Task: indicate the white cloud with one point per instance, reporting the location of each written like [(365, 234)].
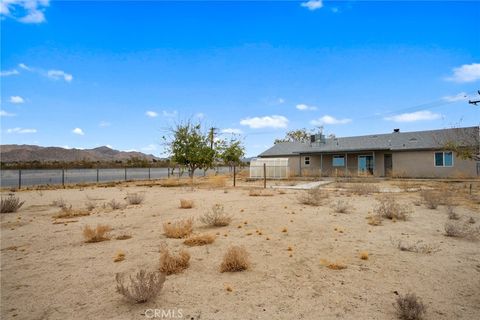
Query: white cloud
[(4, 113), (326, 119), (462, 96), (280, 100), (265, 122), (150, 147), (104, 124), (151, 114), (304, 107), (25, 11), (109, 146), (59, 74), (200, 115), (21, 130), (78, 131), (167, 114), (466, 73), (231, 131), (24, 67), (312, 4), (7, 73), (16, 99), (414, 116)]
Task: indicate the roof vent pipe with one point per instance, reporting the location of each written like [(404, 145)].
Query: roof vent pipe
[(396, 130)]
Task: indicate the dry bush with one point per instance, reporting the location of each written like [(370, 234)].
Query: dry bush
[(418, 247), (363, 188), (364, 255), (89, 205), (135, 198), (115, 205), (59, 203), (98, 234), (170, 182), (216, 217), (186, 204), (333, 265), (431, 198), (374, 220), (452, 215), (409, 307), (235, 259), (123, 237), (390, 209), (218, 181), (10, 204), (199, 240), (143, 287), (471, 220), (119, 256), (461, 230), (341, 206), (170, 263), (68, 212), (259, 193), (178, 229), (313, 197)]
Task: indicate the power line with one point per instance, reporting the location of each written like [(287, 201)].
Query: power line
[(474, 102)]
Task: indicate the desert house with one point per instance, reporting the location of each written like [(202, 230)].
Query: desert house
[(420, 154)]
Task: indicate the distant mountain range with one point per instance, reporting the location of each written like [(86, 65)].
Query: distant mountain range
[(26, 153)]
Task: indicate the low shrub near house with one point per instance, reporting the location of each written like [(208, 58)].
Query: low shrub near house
[(178, 229), (143, 287), (410, 307), (313, 197), (69, 212), (10, 204), (431, 198), (216, 217), (390, 209), (235, 259), (341, 206)]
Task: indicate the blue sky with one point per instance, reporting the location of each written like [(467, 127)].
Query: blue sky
[(118, 73)]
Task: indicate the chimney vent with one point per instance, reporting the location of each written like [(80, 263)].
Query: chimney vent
[(396, 130)]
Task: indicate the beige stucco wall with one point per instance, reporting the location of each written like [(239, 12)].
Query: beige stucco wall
[(420, 164)]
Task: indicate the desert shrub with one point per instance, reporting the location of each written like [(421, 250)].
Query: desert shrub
[(363, 188), (259, 193), (431, 198), (218, 181), (471, 220), (461, 230), (143, 287), (235, 259), (186, 204), (59, 203), (10, 204), (98, 234), (69, 212), (390, 209), (409, 307), (170, 182), (216, 217), (418, 247), (452, 215), (123, 236), (135, 198), (119, 256), (89, 205), (364, 255), (199, 240), (333, 265), (374, 220), (341, 206), (115, 205), (313, 197), (171, 263), (178, 229)]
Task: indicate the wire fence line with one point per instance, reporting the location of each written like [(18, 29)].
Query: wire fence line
[(39, 177)]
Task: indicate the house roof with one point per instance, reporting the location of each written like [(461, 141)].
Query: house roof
[(395, 141)]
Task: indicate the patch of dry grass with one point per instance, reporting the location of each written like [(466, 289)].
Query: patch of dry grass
[(98, 234), (119, 256), (374, 220), (135, 198), (10, 204), (260, 193), (143, 287), (59, 203), (336, 265), (218, 181), (173, 263), (123, 237), (409, 307), (199, 240), (417, 247), (431, 198), (390, 209), (313, 197), (115, 205), (235, 259), (364, 255), (341, 206), (178, 229), (216, 217), (66, 213), (363, 189), (186, 204)]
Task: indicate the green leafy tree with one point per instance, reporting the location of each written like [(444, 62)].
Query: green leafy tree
[(300, 135), (232, 152), (190, 147)]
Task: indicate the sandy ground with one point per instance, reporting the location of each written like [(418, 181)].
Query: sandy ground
[(48, 272)]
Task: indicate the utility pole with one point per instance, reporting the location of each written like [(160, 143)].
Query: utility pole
[(474, 102), (211, 135)]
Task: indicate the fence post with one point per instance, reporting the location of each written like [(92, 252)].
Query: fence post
[(63, 178), (149, 176), (234, 176), (168, 172), (264, 176), (98, 175), (125, 173), (20, 179)]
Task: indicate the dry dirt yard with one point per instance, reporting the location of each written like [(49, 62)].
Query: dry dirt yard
[(49, 272)]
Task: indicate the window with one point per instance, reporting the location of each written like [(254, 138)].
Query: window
[(306, 161), (444, 159), (338, 161)]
